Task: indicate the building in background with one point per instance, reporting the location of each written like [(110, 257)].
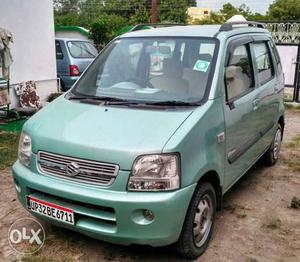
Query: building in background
[(198, 13), (31, 23), (73, 32)]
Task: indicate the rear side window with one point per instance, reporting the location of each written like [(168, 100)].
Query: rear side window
[(275, 51), (239, 73), (264, 62), (59, 53), (276, 56), (81, 49)]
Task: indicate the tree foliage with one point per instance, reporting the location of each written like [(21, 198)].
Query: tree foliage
[(105, 28), (173, 11), (105, 17), (227, 11), (285, 10), (68, 19), (142, 15)]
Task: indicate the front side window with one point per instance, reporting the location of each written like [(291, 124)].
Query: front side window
[(151, 70), (239, 73), (82, 49), (263, 62)]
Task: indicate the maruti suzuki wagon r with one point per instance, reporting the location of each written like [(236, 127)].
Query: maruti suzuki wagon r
[(158, 128)]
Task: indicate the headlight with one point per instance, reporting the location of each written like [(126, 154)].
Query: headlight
[(25, 149), (155, 173)]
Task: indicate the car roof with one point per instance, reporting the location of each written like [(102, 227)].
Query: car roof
[(193, 31), (70, 39)]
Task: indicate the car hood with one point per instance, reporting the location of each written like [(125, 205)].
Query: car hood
[(108, 134)]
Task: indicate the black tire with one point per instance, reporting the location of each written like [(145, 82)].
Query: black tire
[(271, 156), (187, 244)]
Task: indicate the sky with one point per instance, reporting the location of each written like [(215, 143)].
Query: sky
[(260, 6)]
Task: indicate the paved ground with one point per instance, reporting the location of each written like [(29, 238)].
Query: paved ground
[(256, 224)]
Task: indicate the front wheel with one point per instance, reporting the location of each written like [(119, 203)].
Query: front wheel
[(271, 156), (199, 223)]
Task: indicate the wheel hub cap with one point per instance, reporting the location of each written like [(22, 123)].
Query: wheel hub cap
[(203, 220), (277, 144)]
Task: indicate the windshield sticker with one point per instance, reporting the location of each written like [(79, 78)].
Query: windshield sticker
[(201, 66)]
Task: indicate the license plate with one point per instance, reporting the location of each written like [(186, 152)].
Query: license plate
[(51, 210)]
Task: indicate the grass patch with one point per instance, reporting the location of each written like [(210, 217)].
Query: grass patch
[(292, 106), (292, 160), (59, 246), (274, 223), (295, 203), (238, 210), (8, 148), (295, 142)]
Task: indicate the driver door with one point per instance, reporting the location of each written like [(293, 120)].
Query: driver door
[(240, 110)]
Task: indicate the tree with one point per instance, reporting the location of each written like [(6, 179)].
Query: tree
[(91, 10), (67, 6), (285, 10), (228, 10), (141, 15), (105, 28), (173, 11), (126, 8), (68, 19)]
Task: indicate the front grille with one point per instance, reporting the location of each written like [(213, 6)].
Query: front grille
[(77, 169)]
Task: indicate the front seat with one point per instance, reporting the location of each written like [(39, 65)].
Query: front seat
[(237, 82), (171, 81)]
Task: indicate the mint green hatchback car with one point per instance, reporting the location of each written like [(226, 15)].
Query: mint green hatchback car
[(154, 133)]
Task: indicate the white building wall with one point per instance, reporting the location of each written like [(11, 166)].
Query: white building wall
[(32, 25)]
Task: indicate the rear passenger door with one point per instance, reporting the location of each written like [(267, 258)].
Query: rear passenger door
[(240, 110), (268, 86)]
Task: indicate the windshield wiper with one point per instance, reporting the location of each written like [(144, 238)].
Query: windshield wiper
[(173, 103), (106, 100)]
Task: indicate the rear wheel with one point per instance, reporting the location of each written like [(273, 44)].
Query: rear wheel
[(271, 156), (199, 223)]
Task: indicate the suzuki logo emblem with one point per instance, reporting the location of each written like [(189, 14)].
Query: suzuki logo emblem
[(73, 169)]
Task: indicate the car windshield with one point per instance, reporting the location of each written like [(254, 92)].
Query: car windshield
[(151, 70), (82, 49)]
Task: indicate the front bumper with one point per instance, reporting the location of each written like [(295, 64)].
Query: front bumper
[(110, 215)]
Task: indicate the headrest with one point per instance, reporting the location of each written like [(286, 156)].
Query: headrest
[(172, 68), (232, 71)]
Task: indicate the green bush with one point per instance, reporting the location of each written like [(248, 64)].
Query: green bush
[(53, 96), (8, 148), (67, 20), (105, 28)]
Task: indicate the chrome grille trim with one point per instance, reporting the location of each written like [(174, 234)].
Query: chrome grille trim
[(91, 172)]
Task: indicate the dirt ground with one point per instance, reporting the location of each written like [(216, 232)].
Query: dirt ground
[(256, 224)]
